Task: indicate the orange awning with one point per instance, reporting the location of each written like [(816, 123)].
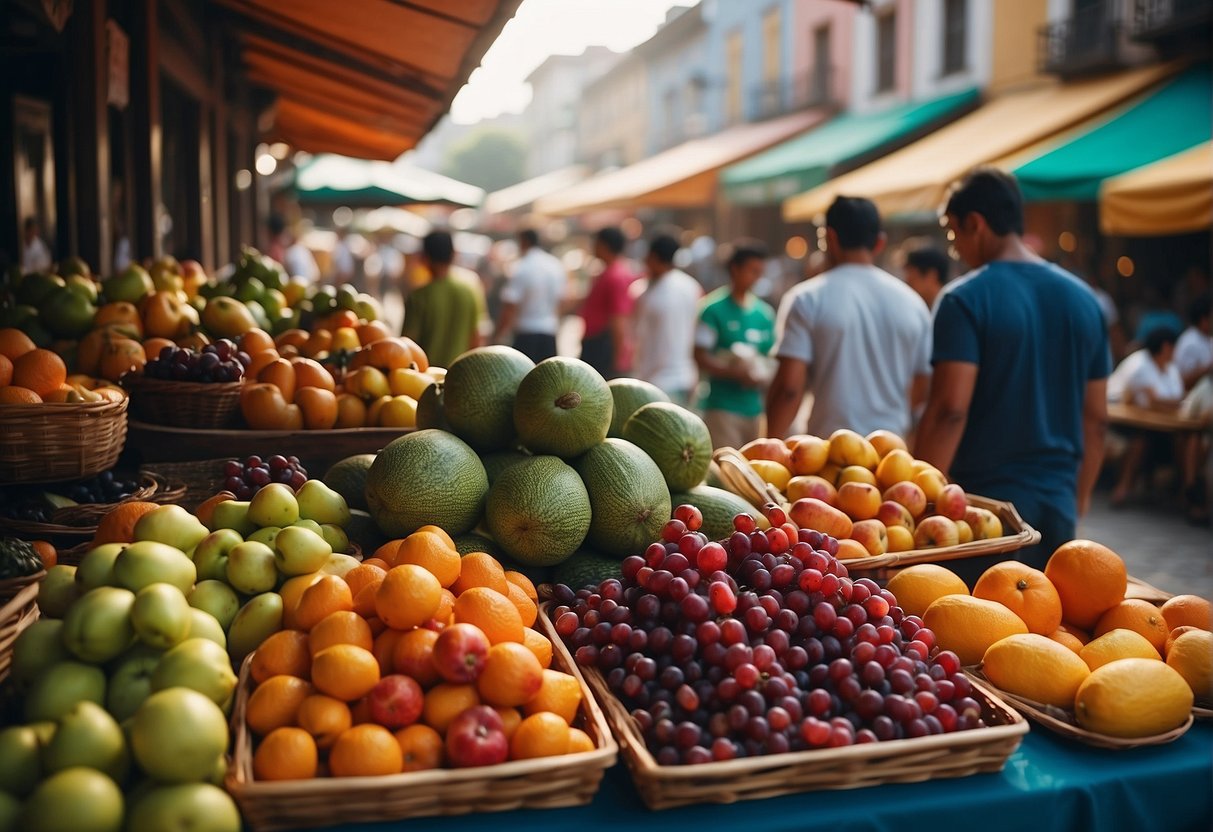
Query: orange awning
[(1171, 196)]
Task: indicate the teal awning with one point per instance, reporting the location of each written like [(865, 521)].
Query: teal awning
[(342, 180), (811, 158), (1175, 117)]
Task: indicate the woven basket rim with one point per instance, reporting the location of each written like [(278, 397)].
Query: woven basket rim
[(24, 411), (161, 385)]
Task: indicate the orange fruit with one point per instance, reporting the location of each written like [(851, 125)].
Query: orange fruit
[(345, 672), (511, 675), (309, 373), (120, 356), (510, 720), (341, 627), (275, 703), (6, 370), (968, 626), (408, 597), (324, 718), (260, 361), (39, 370), (291, 592), (1188, 610), (255, 341), (446, 607), (1115, 645), (431, 552), (365, 751), (281, 374), (444, 702), (14, 343), (291, 338), (559, 693), (329, 594), (479, 569), (285, 653), (1078, 632), (1089, 577), (917, 587), (492, 612), (1192, 657), (1036, 668), (540, 735), (384, 650), (1139, 616), (527, 609), (46, 553), (362, 575), (430, 528), (318, 406), (1067, 639), (18, 395), (1176, 633), (286, 754), (538, 644), (422, 747), (414, 656), (387, 552), (118, 524), (351, 412), (380, 562), (1024, 591), (579, 741), (372, 331), (524, 583)]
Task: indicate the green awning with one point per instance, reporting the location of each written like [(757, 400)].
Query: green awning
[(1175, 117), (811, 158), (341, 180)]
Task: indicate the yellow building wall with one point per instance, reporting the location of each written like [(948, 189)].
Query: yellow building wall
[(1016, 42)]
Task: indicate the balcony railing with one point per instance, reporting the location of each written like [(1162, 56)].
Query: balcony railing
[(769, 99), (1153, 19), (1089, 41), (776, 98)]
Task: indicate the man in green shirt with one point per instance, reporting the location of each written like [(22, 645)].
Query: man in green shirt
[(736, 331), (442, 316)]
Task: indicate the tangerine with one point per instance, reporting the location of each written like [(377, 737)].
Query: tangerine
[(365, 751), (444, 702), (18, 395), (524, 583), (285, 653), (543, 734), (341, 627), (291, 592), (1090, 578), (384, 650), (438, 530), (14, 343), (511, 676), (432, 552), (492, 612), (387, 552), (480, 569), (422, 747), (510, 720), (1188, 610), (275, 703), (1024, 591), (118, 524), (446, 607), (559, 693), (324, 718), (286, 754), (538, 644), (345, 671), (327, 595), (408, 597), (39, 370), (1139, 616), (579, 741), (527, 609), (6, 370), (362, 575)]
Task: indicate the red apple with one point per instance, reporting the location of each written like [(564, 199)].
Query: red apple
[(952, 502), (893, 513), (909, 495), (477, 738), (396, 701), (935, 532), (460, 652)]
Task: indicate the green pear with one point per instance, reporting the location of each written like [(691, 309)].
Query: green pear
[(161, 616), (38, 647), (274, 505), (320, 503), (336, 536), (210, 555), (81, 799), (251, 569), (97, 566), (198, 664), (205, 625), (20, 761), (57, 591), (257, 620), (310, 525), (265, 535), (199, 807), (299, 551), (216, 598), (233, 514), (149, 562), (130, 681), (98, 627), (171, 525), (56, 690), (88, 736)]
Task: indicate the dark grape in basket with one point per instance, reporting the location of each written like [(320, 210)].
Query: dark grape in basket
[(245, 478), (217, 363)]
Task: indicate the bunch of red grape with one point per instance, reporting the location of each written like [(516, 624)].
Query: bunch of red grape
[(219, 362), (760, 644), (244, 479)]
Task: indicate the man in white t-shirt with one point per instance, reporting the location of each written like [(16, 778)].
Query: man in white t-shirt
[(858, 337), (1194, 349), (663, 321), (530, 300)]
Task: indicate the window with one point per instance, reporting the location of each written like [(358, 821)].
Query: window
[(819, 83), (770, 47), (886, 52), (955, 22), (732, 90), (670, 105)]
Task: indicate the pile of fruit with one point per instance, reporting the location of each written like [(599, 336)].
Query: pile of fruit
[(38, 503), (216, 363), (760, 644), (1068, 638), (32, 375), (416, 659), (870, 493), (243, 479)]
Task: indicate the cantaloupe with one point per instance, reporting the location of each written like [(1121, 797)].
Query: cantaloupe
[(427, 477), (348, 478), (629, 395), (586, 568), (676, 439), (563, 407), (495, 463), (478, 396), (629, 497), (538, 511), (430, 409)]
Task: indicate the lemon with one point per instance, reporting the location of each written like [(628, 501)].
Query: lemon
[(1117, 644), (968, 626), (1133, 698), (1192, 656), (398, 412), (772, 472), (1037, 668)]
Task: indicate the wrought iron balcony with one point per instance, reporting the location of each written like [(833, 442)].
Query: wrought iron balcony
[(769, 99), (814, 89), (1089, 41), (1155, 19)]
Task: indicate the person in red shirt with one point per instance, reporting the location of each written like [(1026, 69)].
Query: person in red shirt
[(606, 344)]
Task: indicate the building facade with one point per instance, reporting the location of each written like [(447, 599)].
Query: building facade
[(679, 82), (613, 116), (551, 117)]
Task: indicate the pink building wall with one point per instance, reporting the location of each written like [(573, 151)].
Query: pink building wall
[(807, 16), (905, 49)]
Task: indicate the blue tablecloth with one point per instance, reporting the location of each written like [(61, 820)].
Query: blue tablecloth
[(1048, 784)]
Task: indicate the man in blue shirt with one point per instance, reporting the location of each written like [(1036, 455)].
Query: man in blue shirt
[(1018, 405)]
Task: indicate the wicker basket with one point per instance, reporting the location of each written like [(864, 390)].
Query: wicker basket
[(54, 442), (81, 520), (546, 783), (10, 588), (17, 614), (185, 404), (199, 480)]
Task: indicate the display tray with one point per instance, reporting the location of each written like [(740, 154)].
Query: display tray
[(545, 783)]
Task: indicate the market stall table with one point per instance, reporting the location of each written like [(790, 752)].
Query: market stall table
[(1048, 785), (1129, 416)]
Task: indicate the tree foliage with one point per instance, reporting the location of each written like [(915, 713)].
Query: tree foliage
[(490, 157)]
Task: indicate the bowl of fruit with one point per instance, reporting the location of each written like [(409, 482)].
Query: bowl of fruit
[(182, 387)]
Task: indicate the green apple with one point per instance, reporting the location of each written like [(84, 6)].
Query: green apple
[(176, 735), (198, 807), (205, 625), (97, 566), (98, 628), (148, 562), (83, 286), (67, 314), (257, 620), (310, 525), (320, 503), (216, 598), (56, 690), (198, 664), (339, 564), (336, 537), (171, 525), (131, 286), (233, 514), (80, 799), (130, 681), (20, 760), (251, 289), (88, 736), (38, 647), (251, 569), (10, 813), (210, 555), (265, 535), (299, 551), (161, 616), (57, 591), (274, 505)]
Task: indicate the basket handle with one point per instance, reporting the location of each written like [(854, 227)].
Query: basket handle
[(740, 478)]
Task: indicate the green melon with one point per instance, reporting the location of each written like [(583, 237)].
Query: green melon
[(495, 463), (563, 407), (718, 508), (676, 439), (478, 396), (539, 511), (430, 411), (629, 495), (348, 478), (362, 530), (586, 568), (465, 544), (426, 477), (629, 395)]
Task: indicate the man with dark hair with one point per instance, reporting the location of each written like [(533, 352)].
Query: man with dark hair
[(607, 309), (442, 316), (927, 270), (664, 323), (1194, 349), (530, 300), (1018, 402), (736, 330), (859, 334)]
